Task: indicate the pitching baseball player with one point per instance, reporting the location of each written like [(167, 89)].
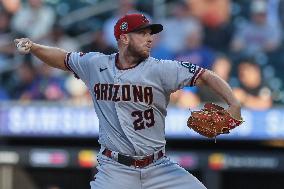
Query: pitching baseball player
[(131, 91)]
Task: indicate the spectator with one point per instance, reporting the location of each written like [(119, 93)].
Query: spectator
[(98, 44), (124, 7), (212, 13), (219, 37), (252, 92), (194, 51), (78, 92), (160, 51), (59, 38), (215, 16), (222, 67), (36, 84), (21, 88), (49, 85), (6, 36), (11, 6), (258, 35), (185, 98), (5, 19), (34, 19), (177, 27)]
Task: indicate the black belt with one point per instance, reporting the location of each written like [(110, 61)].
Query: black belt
[(139, 163)]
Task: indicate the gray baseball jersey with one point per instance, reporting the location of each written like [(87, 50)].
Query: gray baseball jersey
[(131, 103)]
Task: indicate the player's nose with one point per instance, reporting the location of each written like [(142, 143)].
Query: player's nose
[(150, 38)]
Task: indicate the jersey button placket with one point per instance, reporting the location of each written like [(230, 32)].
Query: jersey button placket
[(117, 78)]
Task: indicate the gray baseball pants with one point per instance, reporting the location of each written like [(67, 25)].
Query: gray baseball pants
[(162, 174)]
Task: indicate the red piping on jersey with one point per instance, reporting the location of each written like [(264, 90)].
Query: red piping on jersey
[(197, 74), (117, 63), (66, 62)]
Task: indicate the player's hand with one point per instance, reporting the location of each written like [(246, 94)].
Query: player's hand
[(23, 45), (235, 111)]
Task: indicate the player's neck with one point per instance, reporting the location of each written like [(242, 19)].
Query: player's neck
[(126, 60)]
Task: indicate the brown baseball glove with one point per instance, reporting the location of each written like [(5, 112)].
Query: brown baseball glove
[(212, 121)]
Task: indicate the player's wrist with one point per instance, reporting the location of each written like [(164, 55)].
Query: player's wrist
[(33, 47), (235, 104), (235, 112)]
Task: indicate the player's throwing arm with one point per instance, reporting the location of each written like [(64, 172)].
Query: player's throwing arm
[(52, 56)]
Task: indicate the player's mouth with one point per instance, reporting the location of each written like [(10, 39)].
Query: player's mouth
[(148, 47)]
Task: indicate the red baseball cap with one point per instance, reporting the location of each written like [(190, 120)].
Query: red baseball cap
[(134, 22)]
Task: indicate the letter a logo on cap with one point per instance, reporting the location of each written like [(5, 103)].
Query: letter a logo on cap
[(124, 26)]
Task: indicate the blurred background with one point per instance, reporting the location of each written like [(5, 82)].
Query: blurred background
[(49, 130)]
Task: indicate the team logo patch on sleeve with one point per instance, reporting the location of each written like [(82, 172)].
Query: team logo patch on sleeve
[(191, 67)]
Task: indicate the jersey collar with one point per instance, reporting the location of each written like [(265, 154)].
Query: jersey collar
[(117, 63)]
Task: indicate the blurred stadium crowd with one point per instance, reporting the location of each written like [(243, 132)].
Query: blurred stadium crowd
[(242, 41)]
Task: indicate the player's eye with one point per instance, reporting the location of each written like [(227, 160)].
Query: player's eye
[(143, 32)]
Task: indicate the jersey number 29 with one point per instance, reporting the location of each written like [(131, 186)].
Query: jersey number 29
[(143, 118)]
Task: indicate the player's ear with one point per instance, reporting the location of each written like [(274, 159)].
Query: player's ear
[(124, 38)]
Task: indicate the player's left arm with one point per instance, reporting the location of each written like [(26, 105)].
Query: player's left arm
[(222, 88)]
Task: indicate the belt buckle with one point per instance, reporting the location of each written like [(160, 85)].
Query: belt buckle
[(140, 163), (135, 164)]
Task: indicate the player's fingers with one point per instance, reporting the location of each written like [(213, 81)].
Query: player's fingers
[(29, 43), (27, 46), (22, 40), (16, 41)]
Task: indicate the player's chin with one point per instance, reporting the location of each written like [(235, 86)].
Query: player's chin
[(145, 54)]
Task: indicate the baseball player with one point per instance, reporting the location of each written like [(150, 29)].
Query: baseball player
[(131, 91)]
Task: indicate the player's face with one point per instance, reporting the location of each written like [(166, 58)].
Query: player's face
[(140, 43)]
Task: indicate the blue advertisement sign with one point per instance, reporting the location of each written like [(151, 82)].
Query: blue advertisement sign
[(70, 121)]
